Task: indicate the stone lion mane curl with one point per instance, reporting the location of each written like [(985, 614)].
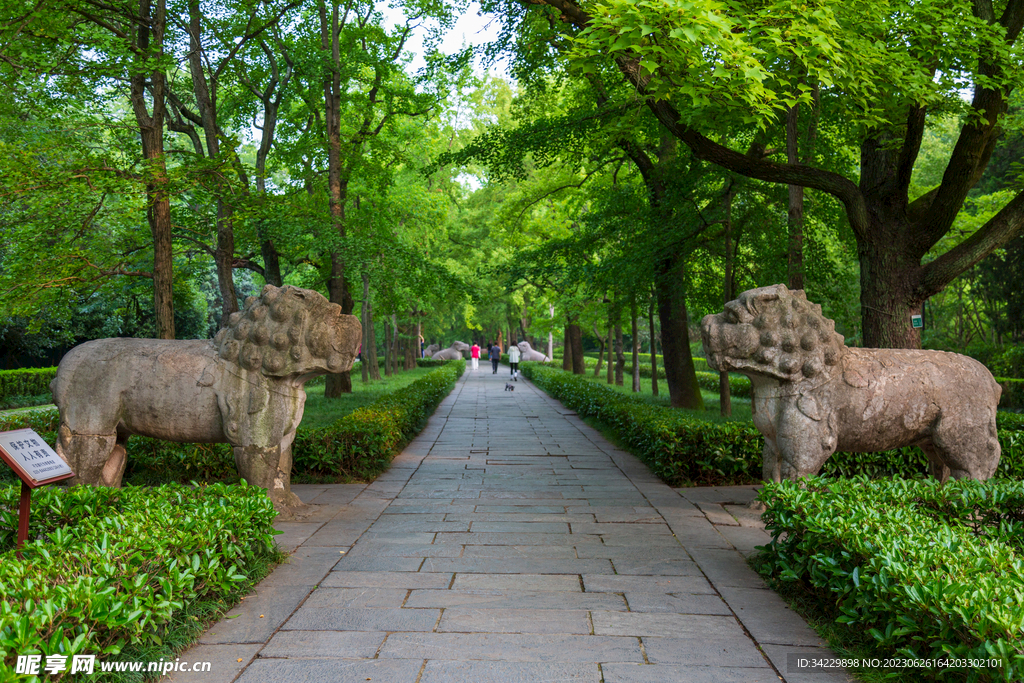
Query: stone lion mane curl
[(795, 339), (285, 331)]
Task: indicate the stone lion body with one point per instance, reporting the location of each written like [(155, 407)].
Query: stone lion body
[(813, 395), (453, 352), (244, 388), (531, 354)]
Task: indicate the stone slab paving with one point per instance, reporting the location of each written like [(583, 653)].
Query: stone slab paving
[(510, 542)]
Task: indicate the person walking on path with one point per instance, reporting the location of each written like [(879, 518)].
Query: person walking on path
[(495, 357), (513, 360), (474, 354)]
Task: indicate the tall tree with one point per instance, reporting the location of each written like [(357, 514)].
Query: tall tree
[(884, 68)]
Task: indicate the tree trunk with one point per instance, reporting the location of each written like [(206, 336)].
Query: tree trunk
[(683, 390), (151, 130), (887, 298), (394, 343), (367, 322), (724, 390), (566, 350), (610, 377), (370, 334), (636, 346), (600, 352), (654, 348), (412, 345), (576, 343), (795, 216), (551, 336), (387, 347), (620, 358)]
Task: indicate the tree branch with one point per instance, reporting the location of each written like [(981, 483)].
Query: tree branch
[(1002, 227)]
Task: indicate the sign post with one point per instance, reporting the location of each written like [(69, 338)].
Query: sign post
[(36, 464)]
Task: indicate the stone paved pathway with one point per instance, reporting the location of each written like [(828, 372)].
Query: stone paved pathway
[(512, 543)]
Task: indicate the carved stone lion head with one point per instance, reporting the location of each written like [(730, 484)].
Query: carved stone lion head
[(289, 331), (460, 346), (774, 332)]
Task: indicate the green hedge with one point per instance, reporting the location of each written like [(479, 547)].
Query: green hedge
[(363, 442), (924, 571), (109, 571), (685, 448), (26, 382), (25, 387)]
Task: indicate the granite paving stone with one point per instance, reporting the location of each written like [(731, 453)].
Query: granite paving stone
[(511, 647), (362, 619), (324, 644), (513, 599), (330, 671), (447, 671), (510, 542), (477, 619)]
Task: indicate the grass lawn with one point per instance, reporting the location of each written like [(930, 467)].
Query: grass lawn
[(740, 406), (321, 412)]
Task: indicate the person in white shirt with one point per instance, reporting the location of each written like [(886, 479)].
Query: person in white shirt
[(513, 360)]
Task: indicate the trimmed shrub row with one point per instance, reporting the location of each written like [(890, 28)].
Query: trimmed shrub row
[(110, 569), (26, 382), (683, 448), (363, 442), (924, 571), (25, 387)]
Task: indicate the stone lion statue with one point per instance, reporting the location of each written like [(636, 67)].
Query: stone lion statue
[(431, 350), (245, 387), (529, 353), (813, 395), (453, 352)]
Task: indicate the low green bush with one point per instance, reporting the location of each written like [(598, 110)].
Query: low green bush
[(25, 387), (739, 385), (923, 571), (685, 449), (362, 443), (107, 571)]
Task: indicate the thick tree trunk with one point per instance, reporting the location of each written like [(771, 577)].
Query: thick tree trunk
[(151, 130), (683, 390), (576, 343), (600, 352), (566, 350), (224, 254), (654, 349), (888, 298)]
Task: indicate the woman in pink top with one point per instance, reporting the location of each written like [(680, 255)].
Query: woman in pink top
[(474, 353)]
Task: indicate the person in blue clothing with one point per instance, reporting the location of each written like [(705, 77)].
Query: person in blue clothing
[(495, 354)]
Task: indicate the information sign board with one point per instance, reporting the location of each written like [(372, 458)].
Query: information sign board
[(32, 459)]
